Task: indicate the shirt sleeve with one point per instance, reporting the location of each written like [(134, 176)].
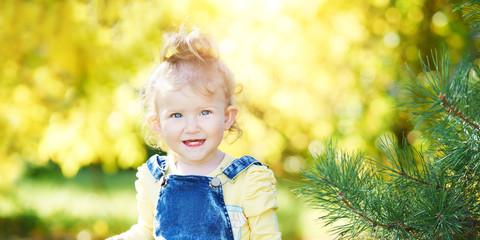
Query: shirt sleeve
[(144, 226), (259, 201)]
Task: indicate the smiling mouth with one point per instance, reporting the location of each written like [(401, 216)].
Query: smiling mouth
[(194, 142)]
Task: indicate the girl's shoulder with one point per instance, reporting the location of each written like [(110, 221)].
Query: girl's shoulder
[(259, 173), (259, 191), (246, 167)]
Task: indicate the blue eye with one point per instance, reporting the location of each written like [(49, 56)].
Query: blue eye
[(176, 115), (205, 112)]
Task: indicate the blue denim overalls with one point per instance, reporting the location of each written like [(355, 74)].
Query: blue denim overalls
[(192, 206)]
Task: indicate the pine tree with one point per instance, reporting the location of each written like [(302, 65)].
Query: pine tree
[(409, 193)]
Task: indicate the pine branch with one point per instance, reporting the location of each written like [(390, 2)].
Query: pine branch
[(470, 11), (364, 216), (343, 186), (405, 193), (454, 111), (417, 180)]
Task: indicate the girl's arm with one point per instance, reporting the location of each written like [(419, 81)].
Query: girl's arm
[(143, 228), (260, 204), (264, 226)]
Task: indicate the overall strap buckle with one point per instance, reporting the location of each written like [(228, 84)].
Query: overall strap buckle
[(233, 170)]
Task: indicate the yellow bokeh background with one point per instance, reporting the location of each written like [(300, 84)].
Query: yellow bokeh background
[(70, 72)]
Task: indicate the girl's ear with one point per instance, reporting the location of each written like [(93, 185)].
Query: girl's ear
[(230, 116), (154, 123)]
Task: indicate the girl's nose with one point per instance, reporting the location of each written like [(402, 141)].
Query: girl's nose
[(191, 125)]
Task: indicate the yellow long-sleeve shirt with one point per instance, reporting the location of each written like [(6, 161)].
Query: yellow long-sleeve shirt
[(250, 201)]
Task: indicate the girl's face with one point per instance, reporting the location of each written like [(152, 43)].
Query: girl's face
[(192, 124)]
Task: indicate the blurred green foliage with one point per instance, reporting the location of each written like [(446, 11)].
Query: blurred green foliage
[(310, 69)]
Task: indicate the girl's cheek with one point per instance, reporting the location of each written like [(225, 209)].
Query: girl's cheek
[(174, 125)]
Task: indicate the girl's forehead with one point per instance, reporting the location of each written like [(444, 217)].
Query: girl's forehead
[(191, 92)]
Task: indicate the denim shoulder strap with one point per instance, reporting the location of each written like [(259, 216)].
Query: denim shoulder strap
[(157, 165), (239, 165)]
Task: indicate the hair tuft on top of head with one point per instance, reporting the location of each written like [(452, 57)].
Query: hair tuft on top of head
[(189, 45)]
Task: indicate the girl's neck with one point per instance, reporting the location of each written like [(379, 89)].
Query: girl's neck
[(183, 168)]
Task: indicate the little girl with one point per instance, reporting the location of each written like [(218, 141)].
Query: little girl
[(197, 191)]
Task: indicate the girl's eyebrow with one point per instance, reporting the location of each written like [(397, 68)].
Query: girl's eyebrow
[(173, 110), (179, 109), (209, 106)]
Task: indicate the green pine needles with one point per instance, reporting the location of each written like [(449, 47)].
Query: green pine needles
[(411, 193)]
